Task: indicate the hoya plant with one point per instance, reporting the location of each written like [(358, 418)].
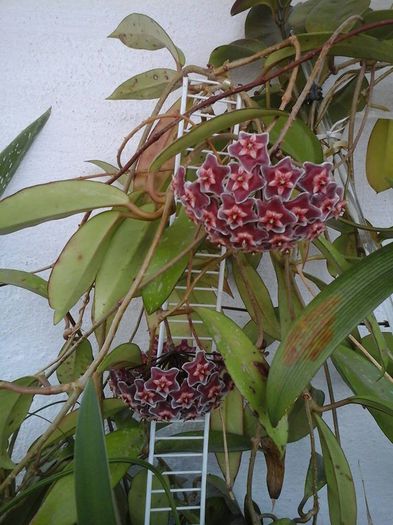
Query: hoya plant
[(236, 168)]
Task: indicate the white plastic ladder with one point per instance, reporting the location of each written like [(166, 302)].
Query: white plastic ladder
[(228, 104)]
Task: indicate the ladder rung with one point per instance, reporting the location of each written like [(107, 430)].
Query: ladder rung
[(166, 509), (180, 472), (179, 455), (191, 337), (170, 438), (196, 304), (208, 151), (188, 489), (184, 321), (202, 254), (210, 272), (198, 288)]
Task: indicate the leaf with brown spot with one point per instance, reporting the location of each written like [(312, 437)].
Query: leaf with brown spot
[(323, 325), (275, 467)]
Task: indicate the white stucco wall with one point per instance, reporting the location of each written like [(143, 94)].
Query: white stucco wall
[(55, 53)]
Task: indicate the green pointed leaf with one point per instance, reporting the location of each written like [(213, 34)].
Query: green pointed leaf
[(328, 15), (78, 263), (321, 478), (255, 295), (371, 346), (127, 354), (25, 280), (245, 365), (379, 159), (76, 364), (12, 155), (105, 166), (365, 380), (382, 33), (242, 5), (14, 408), (55, 200), (341, 104), (145, 86), (233, 51), (120, 265), (142, 32), (298, 426), (323, 325), (137, 500), (298, 15), (175, 239), (299, 142), (93, 492), (341, 490), (260, 23)]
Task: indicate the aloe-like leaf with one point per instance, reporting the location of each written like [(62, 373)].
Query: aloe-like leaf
[(323, 325), (25, 280), (245, 365), (360, 46), (76, 364), (379, 158), (78, 263), (12, 155), (145, 86), (121, 262), (365, 380), (233, 51), (242, 5), (14, 408), (55, 200), (95, 502), (127, 354), (328, 15), (341, 490), (175, 239), (299, 142), (139, 31)]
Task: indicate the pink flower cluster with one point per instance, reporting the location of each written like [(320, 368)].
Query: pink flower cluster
[(252, 205), (184, 383)]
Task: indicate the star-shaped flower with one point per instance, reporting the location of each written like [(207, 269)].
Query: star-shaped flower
[(236, 214), (304, 211), (199, 369), (211, 221), (248, 237), (163, 381), (281, 178), (164, 412), (311, 231), (178, 182), (327, 200), (273, 215), (194, 198), (146, 396), (185, 397), (282, 241), (211, 175), (316, 177), (251, 149), (243, 183)]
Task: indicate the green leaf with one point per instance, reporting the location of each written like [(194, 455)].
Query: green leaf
[(255, 295), (260, 23), (328, 15), (321, 478), (298, 426), (283, 521), (25, 280), (360, 46), (55, 200), (76, 364), (233, 51), (142, 32), (127, 354), (175, 239), (245, 365), (105, 166), (121, 262), (298, 15), (341, 104), (371, 346), (95, 501), (365, 380), (12, 155), (236, 443), (379, 158), (346, 245), (78, 263), (137, 500), (299, 142), (59, 506), (341, 490), (325, 322), (382, 33), (242, 5), (145, 86), (14, 408)]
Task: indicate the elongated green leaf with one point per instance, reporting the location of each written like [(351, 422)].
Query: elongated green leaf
[(145, 86), (59, 506), (55, 200), (341, 104), (371, 346), (93, 492), (255, 296), (383, 33), (78, 263), (76, 364), (299, 142), (233, 51), (25, 280), (14, 408), (121, 263), (365, 380), (137, 500), (328, 15), (12, 155), (298, 15), (142, 32), (260, 23), (245, 365), (379, 159), (321, 478), (127, 354), (325, 322), (242, 5), (360, 46), (105, 166), (298, 426), (175, 239), (341, 490)]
